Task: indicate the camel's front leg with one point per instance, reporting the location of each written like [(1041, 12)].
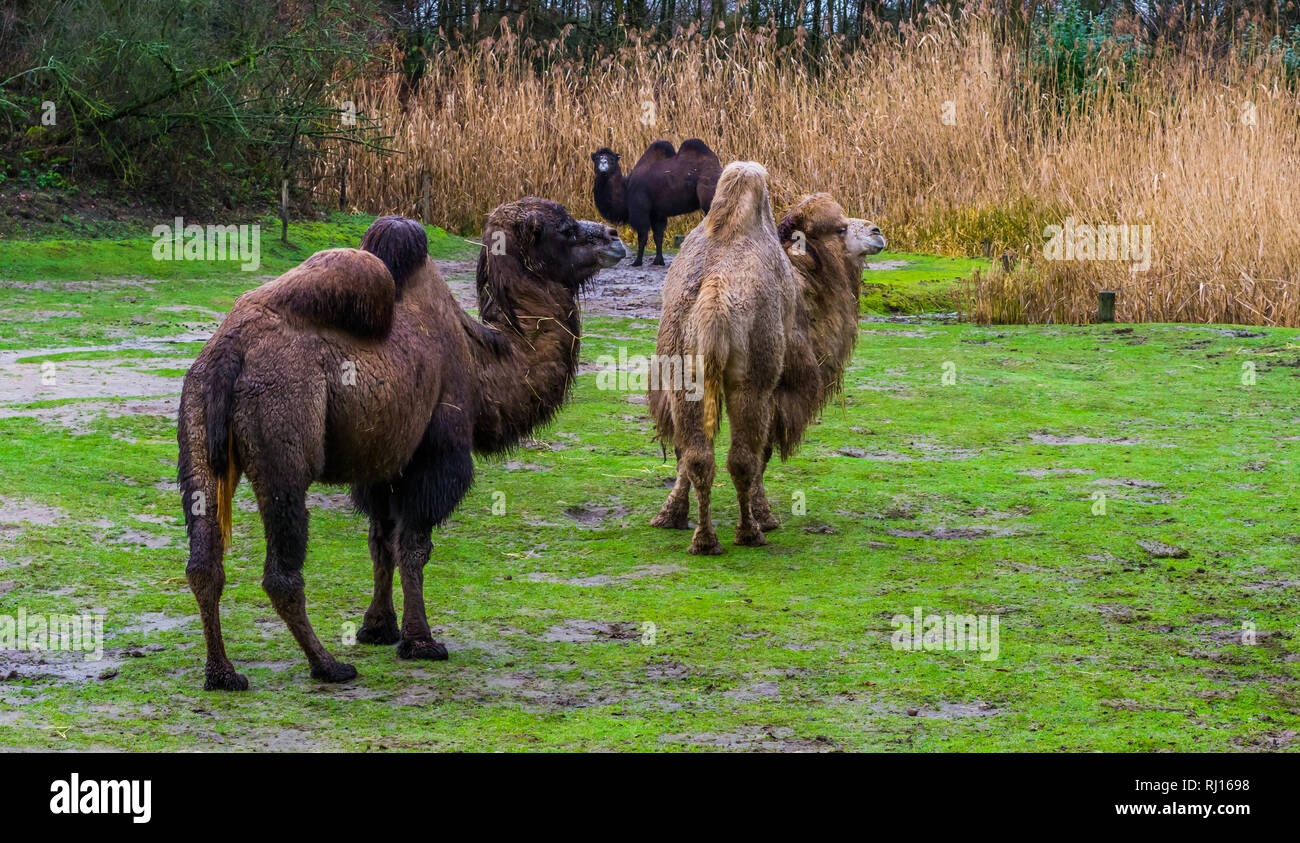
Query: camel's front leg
[(416, 642)]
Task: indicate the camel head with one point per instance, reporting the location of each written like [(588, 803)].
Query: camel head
[(817, 230), (535, 243), (863, 238), (605, 160)]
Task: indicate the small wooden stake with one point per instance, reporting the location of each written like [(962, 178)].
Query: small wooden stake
[(284, 211), (1106, 306)]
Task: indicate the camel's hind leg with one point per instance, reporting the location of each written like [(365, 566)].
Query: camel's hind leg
[(380, 623), (284, 516), (759, 505), (659, 226), (698, 467), (750, 417), (207, 576), (673, 513)]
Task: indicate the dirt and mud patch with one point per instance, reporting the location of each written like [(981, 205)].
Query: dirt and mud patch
[(598, 580), (593, 516), (754, 739), (968, 533), (16, 513), (1054, 472), (1080, 439), (578, 631)]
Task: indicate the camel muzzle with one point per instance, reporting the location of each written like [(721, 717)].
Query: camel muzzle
[(611, 249)]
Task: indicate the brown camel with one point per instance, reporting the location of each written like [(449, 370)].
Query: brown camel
[(358, 367), (827, 251), (665, 183), (729, 305)]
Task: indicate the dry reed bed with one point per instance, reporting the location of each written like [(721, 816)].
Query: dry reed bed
[(1205, 153)]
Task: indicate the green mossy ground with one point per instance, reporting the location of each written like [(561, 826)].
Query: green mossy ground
[(975, 495)]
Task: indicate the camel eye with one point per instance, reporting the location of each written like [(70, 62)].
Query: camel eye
[(844, 229)]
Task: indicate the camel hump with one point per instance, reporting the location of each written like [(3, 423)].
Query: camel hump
[(740, 203), (697, 147), (660, 150), (339, 288), (400, 243)]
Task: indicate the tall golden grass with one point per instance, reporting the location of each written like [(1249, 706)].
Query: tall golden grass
[(1202, 149)]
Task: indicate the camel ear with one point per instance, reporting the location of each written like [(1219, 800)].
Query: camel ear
[(531, 229), (811, 253), (786, 228), (496, 300)]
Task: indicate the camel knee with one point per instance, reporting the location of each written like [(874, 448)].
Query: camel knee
[(283, 587), (206, 576), (743, 467), (697, 463)]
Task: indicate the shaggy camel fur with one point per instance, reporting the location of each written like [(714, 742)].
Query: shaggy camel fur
[(729, 305), (358, 367), (827, 251), (665, 183)]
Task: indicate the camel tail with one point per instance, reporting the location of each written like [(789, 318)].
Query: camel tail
[(209, 473), (226, 482), (707, 335)]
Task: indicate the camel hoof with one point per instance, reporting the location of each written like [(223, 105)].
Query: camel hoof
[(636, 263), (428, 650), (750, 538), (334, 672), (225, 679), (669, 521), (710, 547), (379, 634), (659, 262)]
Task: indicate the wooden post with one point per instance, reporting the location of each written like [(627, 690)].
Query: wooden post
[(343, 188), (1008, 261), (284, 211), (427, 216), (1106, 306)]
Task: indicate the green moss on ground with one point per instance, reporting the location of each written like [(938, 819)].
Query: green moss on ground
[(132, 257), (912, 284)]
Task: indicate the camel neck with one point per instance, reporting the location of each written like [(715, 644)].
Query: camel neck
[(523, 387), (611, 196)]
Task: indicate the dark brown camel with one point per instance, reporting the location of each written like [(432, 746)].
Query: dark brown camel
[(358, 367), (827, 251), (664, 183)]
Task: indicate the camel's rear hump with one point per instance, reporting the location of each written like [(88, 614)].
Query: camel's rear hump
[(339, 288)]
